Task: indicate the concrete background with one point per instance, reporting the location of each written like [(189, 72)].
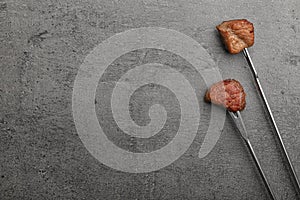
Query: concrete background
[(43, 44)]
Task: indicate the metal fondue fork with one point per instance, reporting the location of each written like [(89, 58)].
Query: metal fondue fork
[(263, 96), (238, 120)]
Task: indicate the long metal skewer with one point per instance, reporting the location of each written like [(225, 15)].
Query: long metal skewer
[(262, 94), (238, 120)]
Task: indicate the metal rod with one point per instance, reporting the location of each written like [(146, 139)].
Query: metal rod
[(239, 122), (262, 94), (260, 169)]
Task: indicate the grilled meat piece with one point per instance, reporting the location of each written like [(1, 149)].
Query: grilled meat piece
[(236, 34), (228, 93)]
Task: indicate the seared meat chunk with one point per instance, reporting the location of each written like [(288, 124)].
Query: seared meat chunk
[(236, 34), (228, 93)]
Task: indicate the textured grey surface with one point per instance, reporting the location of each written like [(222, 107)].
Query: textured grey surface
[(43, 45)]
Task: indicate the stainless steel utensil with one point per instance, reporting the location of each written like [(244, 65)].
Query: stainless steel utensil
[(238, 120), (263, 96)]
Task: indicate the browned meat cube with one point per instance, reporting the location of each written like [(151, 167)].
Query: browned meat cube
[(228, 94), (236, 34)]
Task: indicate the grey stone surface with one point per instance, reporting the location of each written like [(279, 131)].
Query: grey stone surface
[(43, 44)]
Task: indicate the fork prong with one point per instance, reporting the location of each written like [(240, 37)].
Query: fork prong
[(239, 122)]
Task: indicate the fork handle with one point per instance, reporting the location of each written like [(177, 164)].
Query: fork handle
[(264, 98), (272, 195)]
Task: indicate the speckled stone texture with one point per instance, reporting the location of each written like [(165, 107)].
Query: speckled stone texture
[(43, 44)]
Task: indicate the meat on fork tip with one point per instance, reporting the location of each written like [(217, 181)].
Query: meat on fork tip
[(236, 34)]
